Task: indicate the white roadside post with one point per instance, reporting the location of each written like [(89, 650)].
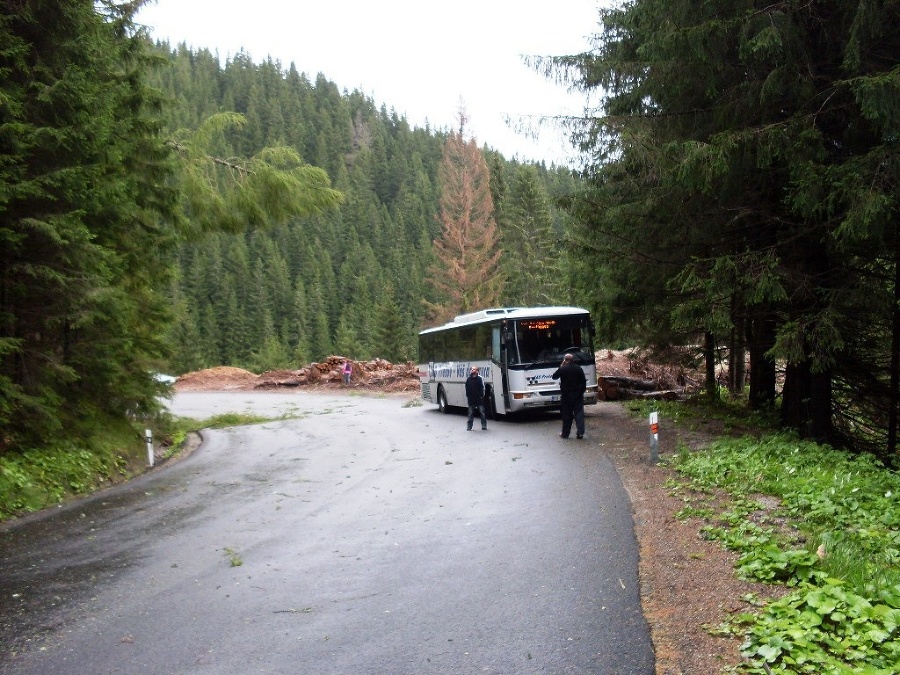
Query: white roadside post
[(148, 434), (654, 437)]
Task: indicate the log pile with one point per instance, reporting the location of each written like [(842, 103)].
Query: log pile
[(377, 373), (623, 375), (618, 388)]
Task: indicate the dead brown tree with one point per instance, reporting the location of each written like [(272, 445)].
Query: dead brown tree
[(465, 274)]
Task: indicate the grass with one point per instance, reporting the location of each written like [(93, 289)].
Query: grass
[(181, 426), (731, 413)]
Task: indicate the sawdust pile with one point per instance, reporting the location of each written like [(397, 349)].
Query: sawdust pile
[(221, 378)]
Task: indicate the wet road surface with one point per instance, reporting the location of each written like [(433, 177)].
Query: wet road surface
[(361, 536)]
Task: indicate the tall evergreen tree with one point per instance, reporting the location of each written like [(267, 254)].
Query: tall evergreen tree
[(531, 261), (88, 214), (390, 333), (185, 336), (299, 336), (465, 275), (346, 340)]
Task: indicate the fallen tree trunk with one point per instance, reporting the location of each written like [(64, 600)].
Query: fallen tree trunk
[(622, 388)]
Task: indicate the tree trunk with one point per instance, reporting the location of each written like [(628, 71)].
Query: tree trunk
[(821, 427), (760, 339), (806, 402), (894, 399), (795, 397), (736, 359), (709, 353)]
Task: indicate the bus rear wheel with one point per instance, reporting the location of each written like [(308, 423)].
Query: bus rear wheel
[(491, 404), (442, 401)]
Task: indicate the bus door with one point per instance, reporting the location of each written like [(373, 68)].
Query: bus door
[(498, 353)]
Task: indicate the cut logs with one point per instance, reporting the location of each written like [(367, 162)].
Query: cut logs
[(621, 375)]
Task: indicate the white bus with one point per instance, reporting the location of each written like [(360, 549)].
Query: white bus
[(516, 350)]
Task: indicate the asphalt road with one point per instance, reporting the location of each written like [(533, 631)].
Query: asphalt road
[(361, 536)]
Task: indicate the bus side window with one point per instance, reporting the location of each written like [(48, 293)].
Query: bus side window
[(495, 343), (483, 342), (465, 347)]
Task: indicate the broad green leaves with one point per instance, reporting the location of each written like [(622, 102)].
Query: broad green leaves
[(833, 534)]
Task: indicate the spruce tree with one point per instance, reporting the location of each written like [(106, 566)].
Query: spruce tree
[(465, 275), (346, 341), (299, 335), (88, 216), (390, 332), (531, 259)]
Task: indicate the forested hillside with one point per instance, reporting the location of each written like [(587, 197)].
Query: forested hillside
[(354, 279)]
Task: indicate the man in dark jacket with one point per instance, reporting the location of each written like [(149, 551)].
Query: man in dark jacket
[(572, 385), (475, 398)]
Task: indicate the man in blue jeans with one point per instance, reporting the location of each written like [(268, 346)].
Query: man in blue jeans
[(572, 385), (475, 398)]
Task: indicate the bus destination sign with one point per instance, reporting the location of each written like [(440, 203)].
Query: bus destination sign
[(538, 324)]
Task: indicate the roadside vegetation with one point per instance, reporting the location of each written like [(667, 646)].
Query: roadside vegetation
[(820, 522), (41, 478)]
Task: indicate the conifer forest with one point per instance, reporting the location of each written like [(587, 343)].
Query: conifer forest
[(355, 279), (166, 210)]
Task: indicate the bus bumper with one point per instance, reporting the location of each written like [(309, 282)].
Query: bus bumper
[(537, 399)]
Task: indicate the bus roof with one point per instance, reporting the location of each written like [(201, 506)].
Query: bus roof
[(487, 315)]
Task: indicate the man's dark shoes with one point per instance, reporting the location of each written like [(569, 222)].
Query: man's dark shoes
[(564, 435), (579, 436)]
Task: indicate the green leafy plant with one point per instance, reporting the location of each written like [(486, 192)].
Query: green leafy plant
[(825, 628), (822, 521)]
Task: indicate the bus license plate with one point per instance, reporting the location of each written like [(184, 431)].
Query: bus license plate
[(554, 399)]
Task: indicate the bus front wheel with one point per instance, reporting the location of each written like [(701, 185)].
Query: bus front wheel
[(442, 401)]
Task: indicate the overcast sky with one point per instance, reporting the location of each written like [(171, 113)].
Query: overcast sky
[(420, 58)]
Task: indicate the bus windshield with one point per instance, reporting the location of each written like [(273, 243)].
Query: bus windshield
[(547, 340)]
